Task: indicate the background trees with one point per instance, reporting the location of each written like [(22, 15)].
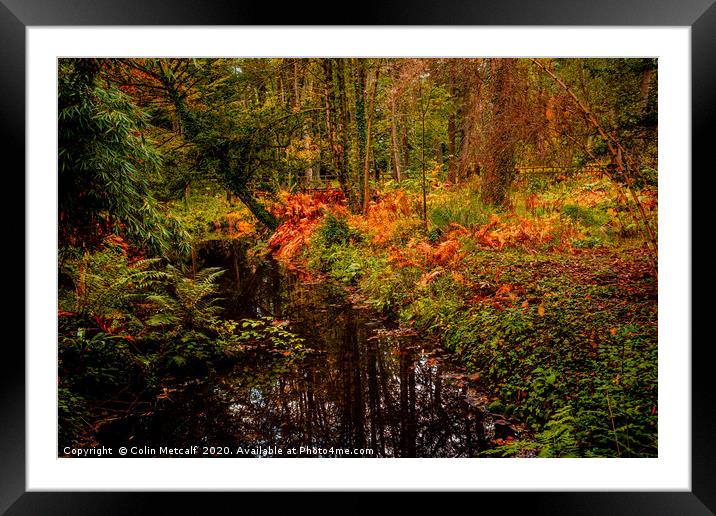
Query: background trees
[(256, 126)]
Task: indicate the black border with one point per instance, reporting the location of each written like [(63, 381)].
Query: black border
[(16, 15)]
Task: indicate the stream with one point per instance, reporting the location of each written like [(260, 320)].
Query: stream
[(363, 388)]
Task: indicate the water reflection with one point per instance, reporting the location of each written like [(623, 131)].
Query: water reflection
[(361, 385)]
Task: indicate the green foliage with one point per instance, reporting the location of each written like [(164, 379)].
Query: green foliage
[(646, 177), (537, 183), (208, 210), (556, 440), (335, 249), (585, 216), (458, 209), (407, 229), (336, 231), (183, 317), (105, 284), (93, 367), (105, 165), (265, 331), (345, 264), (127, 327), (587, 242), (95, 363), (389, 289), (186, 301), (437, 304), (615, 91), (73, 415)]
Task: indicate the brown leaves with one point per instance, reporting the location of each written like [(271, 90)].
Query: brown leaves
[(425, 256), (445, 253), (527, 233), (238, 227), (383, 214), (301, 215)]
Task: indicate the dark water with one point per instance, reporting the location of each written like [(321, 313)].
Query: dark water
[(364, 387)]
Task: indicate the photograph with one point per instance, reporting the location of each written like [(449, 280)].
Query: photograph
[(357, 257)]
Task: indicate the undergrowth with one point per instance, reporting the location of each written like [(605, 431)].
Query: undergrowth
[(129, 327)]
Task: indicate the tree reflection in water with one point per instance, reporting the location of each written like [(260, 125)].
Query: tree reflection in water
[(361, 384)]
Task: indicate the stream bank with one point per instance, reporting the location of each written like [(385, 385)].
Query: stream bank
[(361, 387)]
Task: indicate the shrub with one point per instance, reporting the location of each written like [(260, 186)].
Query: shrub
[(336, 231), (585, 216)]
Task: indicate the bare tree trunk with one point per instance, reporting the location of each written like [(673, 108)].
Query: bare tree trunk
[(360, 85), (369, 135), (348, 174), (439, 153), (452, 131), (307, 148), (394, 140), (452, 158), (334, 132), (646, 87), (308, 174), (405, 147)]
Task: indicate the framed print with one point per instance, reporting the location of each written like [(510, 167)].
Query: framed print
[(419, 82)]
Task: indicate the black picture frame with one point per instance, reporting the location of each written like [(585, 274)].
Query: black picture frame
[(17, 15)]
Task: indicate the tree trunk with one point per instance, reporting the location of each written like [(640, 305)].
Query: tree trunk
[(334, 130), (307, 88), (439, 153), (405, 147), (499, 165), (452, 131), (360, 83), (646, 87), (423, 112), (349, 173), (366, 167), (258, 211), (452, 158), (394, 140)]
